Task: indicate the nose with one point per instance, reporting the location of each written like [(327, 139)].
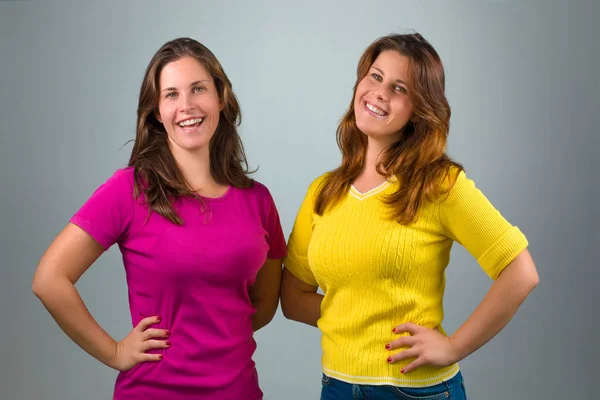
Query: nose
[(186, 104), (381, 93)]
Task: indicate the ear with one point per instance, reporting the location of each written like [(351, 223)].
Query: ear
[(157, 116), (222, 102)]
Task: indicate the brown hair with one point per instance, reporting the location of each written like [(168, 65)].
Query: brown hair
[(156, 173), (418, 160)]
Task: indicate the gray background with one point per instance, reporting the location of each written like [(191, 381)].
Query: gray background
[(522, 83)]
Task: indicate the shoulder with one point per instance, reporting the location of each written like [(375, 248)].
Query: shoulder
[(122, 177), (257, 190), (317, 183), (459, 182), (260, 189), (460, 190), (320, 180), (452, 180), (257, 194), (119, 183)]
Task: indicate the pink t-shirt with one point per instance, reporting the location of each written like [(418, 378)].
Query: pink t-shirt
[(196, 278)]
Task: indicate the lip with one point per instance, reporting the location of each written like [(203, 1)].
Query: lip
[(187, 119), (371, 112), (191, 129)]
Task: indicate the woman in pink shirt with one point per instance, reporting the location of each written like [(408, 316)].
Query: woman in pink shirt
[(201, 243)]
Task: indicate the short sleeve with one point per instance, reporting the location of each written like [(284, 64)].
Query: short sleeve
[(276, 240), (296, 261), (107, 215), (470, 219)]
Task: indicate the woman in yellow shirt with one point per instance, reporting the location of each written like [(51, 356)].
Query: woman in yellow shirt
[(376, 233)]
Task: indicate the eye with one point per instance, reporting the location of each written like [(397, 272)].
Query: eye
[(400, 89), (198, 89), (376, 76), (171, 95)]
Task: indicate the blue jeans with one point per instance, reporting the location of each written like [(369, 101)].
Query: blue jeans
[(333, 389)]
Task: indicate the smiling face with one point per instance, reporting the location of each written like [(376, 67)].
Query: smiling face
[(381, 104), (189, 106)]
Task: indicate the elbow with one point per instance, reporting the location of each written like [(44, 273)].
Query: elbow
[(287, 309), (286, 313), (268, 319), (290, 316), (534, 280), (264, 313), (270, 313), (522, 271), (42, 285), (530, 275), (39, 286)]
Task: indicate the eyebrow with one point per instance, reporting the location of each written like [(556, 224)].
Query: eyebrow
[(381, 72), (191, 84)]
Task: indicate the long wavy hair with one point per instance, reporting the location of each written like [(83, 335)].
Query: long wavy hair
[(157, 176), (418, 159)]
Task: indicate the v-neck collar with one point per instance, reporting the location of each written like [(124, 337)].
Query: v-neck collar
[(362, 196)]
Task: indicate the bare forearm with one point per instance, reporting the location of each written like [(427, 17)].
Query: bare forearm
[(303, 307), (497, 308), (65, 305)]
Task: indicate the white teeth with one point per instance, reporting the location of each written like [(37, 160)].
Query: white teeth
[(376, 110), (190, 122)]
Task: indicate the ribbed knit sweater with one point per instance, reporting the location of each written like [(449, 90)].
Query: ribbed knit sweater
[(377, 273)]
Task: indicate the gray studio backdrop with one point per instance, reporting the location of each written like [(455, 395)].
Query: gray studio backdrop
[(522, 83)]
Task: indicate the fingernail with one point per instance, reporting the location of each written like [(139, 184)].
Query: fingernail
[(160, 356), (389, 359), (168, 342), (158, 319), (167, 333), (387, 346), (394, 330), (401, 371)]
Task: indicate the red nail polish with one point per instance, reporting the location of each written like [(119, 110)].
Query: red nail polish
[(389, 359), (160, 356), (394, 330), (168, 342), (401, 371), (167, 333), (387, 346), (158, 319)]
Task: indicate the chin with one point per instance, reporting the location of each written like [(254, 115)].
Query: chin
[(370, 131), (197, 147), (378, 135), (194, 146)]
